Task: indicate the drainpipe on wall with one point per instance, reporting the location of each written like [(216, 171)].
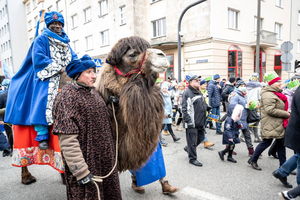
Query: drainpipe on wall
[(179, 36), (257, 69)]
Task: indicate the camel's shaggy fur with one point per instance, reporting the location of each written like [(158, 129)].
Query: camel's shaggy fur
[(140, 111)]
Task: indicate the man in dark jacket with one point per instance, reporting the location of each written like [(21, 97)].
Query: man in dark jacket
[(214, 95), (292, 141), (194, 110)]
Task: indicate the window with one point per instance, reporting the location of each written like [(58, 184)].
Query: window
[(89, 42), (74, 20), (35, 20), (122, 15), (29, 25), (298, 17), (87, 15), (103, 7), (278, 28), (233, 18), (75, 46), (298, 46), (278, 3), (235, 61), (28, 7), (34, 4), (49, 8), (255, 23), (159, 27), (59, 5), (104, 38), (277, 63)]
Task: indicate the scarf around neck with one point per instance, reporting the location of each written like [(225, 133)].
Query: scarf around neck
[(283, 98), (63, 37)]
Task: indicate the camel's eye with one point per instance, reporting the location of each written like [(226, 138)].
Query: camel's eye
[(161, 54), (132, 55)]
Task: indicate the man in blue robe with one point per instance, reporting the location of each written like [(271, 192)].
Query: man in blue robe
[(32, 93)]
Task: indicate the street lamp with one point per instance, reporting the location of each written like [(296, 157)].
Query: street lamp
[(179, 36)]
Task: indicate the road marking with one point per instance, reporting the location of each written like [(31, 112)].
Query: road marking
[(201, 195)]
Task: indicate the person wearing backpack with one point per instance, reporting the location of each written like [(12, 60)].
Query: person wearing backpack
[(228, 88)]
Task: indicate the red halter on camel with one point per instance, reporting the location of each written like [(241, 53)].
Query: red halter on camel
[(134, 71)]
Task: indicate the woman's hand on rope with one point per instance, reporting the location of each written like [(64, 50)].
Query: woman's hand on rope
[(86, 180)]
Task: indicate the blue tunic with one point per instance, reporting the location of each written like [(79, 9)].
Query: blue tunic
[(27, 95), (153, 170)]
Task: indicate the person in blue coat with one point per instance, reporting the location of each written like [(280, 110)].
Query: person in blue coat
[(31, 95), (167, 122), (35, 86)]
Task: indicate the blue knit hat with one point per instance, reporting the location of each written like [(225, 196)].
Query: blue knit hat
[(75, 67), (53, 16), (202, 82), (216, 76)]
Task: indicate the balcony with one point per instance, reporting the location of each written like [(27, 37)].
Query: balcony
[(267, 39)]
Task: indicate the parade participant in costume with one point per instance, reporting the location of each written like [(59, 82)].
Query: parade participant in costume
[(82, 122), (274, 108), (152, 171), (32, 93)]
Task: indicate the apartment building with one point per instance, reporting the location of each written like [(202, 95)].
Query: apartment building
[(12, 34), (218, 36)]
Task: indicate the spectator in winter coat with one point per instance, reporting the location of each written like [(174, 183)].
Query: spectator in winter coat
[(194, 115), (167, 122), (229, 87), (231, 130), (291, 164), (240, 98), (292, 141), (274, 119), (203, 86), (214, 95), (253, 95)]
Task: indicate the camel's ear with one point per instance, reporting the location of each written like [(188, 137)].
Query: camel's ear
[(114, 57)]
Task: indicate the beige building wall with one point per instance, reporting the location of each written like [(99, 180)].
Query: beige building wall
[(205, 34)]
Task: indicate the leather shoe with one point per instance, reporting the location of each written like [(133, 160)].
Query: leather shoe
[(219, 133), (282, 179), (231, 159), (176, 139), (221, 155), (196, 163), (255, 166), (186, 149)]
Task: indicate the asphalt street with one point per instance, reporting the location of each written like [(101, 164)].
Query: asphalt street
[(216, 180)]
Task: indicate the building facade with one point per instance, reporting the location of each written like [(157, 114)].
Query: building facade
[(12, 35), (217, 36)]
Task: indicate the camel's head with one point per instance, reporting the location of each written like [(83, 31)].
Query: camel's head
[(134, 53)]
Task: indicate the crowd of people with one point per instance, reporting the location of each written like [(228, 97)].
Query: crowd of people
[(266, 111), (69, 119)]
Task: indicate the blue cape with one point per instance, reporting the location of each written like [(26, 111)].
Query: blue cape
[(27, 94), (153, 170)]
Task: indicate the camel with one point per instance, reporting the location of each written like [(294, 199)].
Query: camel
[(130, 75)]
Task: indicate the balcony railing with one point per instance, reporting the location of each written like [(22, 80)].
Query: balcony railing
[(267, 38)]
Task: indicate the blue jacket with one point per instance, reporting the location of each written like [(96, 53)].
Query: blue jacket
[(214, 94), (238, 98), (167, 108), (231, 128), (27, 94)]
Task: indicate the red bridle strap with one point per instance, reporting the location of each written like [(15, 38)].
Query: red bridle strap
[(134, 71)]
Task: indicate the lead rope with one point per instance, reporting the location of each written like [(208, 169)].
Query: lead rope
[(99, 179)]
